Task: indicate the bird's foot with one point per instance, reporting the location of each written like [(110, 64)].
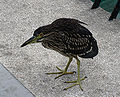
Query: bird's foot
[(62, 72), (77, 82)]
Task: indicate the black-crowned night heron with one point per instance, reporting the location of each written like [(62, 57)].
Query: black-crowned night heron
[(69, 38)]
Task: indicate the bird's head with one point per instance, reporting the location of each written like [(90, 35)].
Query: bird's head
[(38, 36)]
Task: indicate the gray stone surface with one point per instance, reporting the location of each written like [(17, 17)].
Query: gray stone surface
[(18, 20), (10, 87)]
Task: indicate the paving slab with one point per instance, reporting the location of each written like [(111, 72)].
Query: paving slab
[(18, 20), (10, 86)]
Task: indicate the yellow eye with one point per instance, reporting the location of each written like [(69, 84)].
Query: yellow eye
[(41, 34)]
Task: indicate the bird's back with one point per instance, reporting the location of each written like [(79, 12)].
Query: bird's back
[(71, 38)]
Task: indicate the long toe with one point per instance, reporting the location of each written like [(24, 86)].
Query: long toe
[(61, 72), (77, 82)]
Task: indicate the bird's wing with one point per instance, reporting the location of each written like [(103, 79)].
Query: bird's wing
[(55, 42), (78, 43), (69, 43)]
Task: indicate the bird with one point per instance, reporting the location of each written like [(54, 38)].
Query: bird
[(115, 11), (71, 39)]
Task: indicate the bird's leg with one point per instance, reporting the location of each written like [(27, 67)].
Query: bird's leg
[(63, 72), (78, 81)]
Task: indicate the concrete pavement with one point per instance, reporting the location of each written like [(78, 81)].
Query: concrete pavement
[(18, 20), (10, 86)]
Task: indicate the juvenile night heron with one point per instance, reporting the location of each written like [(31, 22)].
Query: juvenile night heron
[(68, 37)]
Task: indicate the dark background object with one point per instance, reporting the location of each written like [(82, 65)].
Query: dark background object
[(115, 11), (96, 4), (112, 6)]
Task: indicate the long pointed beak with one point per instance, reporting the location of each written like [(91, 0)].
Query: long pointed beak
[(33, 39)]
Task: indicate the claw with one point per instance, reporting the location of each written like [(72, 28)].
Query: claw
[(74, 72), (85, 77)]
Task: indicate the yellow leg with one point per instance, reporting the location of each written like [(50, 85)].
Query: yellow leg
[(78, 81), (63, 72)]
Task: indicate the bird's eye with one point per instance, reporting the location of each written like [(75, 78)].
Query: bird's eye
[(41, 34)]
